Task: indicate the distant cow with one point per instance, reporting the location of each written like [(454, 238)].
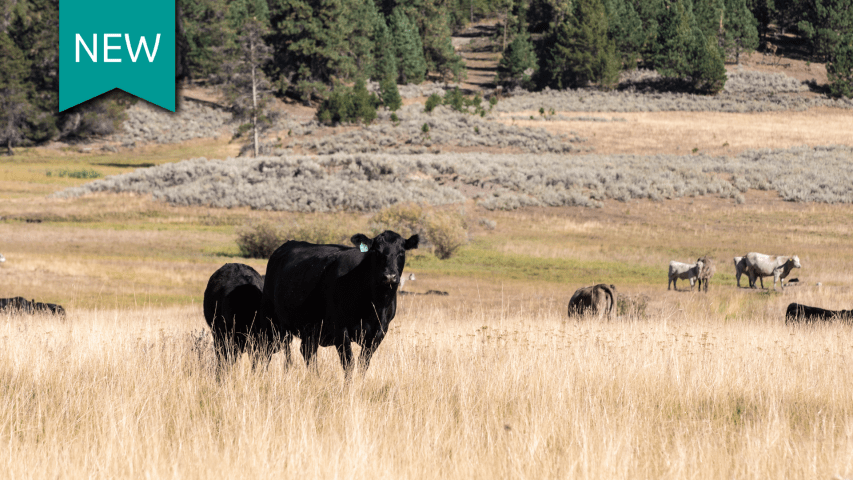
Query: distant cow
[(51, 308), (333, 295), (589, 300), (2, 258), (231, 303), (797, 313), (706, 272), (20, 304), (741, 268), (410, 277), (683, 271), (778, 267), (23, 305)]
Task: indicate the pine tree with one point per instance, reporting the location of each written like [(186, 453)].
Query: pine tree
[(240, 11), (741, 29), (707, 68), (670, 52), (14, 107), (431, 19), (517, 62), (626, 30), (410, 52), (309, 41), (580, 49), (385, 51), (207, 33), (364, 36), (826, 22), (839, 70), (248, 88), (709, 15), (34, 28), (390, 94), (434, 27)]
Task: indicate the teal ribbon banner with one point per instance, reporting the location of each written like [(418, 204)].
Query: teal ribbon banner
[(106, 44)]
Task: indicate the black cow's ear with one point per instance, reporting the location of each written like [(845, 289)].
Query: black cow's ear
[(361, 241), (412, 242)]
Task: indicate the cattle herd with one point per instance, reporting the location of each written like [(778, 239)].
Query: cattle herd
[(333, 295), (325, 295)]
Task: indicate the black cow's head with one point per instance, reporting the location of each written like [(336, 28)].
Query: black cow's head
[(387, 254)]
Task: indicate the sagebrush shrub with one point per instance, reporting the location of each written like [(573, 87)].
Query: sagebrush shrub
[(444, 231), (406, 219), (258, 240), (447, 232)]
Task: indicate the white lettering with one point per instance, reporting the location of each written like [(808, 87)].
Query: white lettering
[(107, 48), (142, 43), (92, 55)]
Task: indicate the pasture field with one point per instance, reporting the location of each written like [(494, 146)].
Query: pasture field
[(490, 381), (469, 390)]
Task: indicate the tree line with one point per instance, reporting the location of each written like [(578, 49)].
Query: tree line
[(306, 49), (584, 42)]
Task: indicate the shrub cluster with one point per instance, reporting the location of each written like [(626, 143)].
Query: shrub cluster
[(149, 123), (444, 231), (641, 91), (261, 239), (367, 182), (445, 128), (412, 90), (349, 105)]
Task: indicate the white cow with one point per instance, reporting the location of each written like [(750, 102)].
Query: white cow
[(741, 268), (684, 271), (2, 258), (778, 267), (410, 277)]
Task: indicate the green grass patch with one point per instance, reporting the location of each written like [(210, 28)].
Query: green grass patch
[(476, 261), (83, 173)]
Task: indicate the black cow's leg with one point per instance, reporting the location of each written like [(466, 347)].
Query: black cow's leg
[(345, 354), (309, 347), (370, 344), (285, 345)]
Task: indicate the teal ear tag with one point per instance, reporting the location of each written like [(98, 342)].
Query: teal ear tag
[(362, 247)]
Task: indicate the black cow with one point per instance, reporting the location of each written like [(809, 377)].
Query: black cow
[(797, 313), (333, 295), (20, 304), (48, 308), (231, 302), (23, 305)]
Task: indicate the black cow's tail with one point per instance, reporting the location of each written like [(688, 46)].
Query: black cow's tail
[(611, 292)]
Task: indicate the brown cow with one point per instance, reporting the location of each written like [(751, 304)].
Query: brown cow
[(589, 300)]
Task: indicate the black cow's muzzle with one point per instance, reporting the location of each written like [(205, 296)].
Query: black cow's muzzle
[(390, 281)]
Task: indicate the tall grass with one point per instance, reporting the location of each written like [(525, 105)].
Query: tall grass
[(471, 391)]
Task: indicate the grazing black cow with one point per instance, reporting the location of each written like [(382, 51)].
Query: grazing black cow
[(333, 295), (48, 308), (23, 305), (231, 302), (20, 304), (797, 313)]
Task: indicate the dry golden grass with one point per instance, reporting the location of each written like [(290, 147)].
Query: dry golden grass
[(712, 133), (470, 391)]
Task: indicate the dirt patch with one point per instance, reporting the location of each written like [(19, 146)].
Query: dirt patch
[(802, 70), (476, 47), (713, 133)]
